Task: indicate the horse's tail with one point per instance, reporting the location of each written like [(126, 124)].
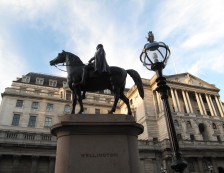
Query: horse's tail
[(138, 81)]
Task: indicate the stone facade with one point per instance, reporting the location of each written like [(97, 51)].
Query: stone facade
[(36, 101)]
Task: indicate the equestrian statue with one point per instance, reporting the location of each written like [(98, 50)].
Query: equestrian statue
[(96, 76)]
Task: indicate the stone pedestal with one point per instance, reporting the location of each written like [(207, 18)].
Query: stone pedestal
[(97, 144)]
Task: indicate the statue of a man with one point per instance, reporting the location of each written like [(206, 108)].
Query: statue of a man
[(98, 62)]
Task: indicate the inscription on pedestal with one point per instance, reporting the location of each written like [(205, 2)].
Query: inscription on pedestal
[(99, 155)]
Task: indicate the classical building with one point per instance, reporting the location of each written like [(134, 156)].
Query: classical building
[(36, 101)]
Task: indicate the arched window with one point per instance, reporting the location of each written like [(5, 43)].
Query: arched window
[(214, 126), (176, 123), (189, 124)]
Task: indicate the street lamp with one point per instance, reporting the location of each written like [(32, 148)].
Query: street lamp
[(154, 57)]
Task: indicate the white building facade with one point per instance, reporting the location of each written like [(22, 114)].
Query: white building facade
[(36, 101)]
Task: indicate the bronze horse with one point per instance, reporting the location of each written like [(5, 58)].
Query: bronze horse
[(115, 81)]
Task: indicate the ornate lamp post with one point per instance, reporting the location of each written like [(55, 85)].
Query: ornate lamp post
[(154, 57)]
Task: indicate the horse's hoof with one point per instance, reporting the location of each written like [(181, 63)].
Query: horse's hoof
[(80, 112), (110, 112)]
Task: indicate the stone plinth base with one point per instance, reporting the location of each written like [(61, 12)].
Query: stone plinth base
[(97, 144)]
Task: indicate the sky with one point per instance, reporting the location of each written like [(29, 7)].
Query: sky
[(33, 32)]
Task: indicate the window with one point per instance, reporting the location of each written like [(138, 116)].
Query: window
[(189, 124), (48, 122), (176, 123), (97, 111), (19, 103), (68, 95), (155, 139), (32, 121), (179, 137), (26, 79), (52, 83), (49, 107), (192, 137), (15, 119), (219, 139), (208, 113), (67, 109), (35, 105), (39, 81), (214, 126)]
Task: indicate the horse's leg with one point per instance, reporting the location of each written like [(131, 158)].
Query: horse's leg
[(126, 101), (74, 98), (74, 101), (116, 98), (79, 95)]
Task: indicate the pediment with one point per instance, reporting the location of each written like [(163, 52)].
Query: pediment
[(189, 79)]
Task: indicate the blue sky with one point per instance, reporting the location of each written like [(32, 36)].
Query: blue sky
[(32, 32)]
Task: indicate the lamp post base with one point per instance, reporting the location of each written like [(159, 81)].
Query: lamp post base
[(178, 165)]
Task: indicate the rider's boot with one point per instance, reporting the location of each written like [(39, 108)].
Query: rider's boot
[(83, 81)]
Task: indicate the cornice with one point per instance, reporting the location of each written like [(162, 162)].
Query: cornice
[(189, 87)]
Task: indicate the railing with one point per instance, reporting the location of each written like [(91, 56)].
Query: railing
[(46, 139), (196, 144), (184, 144), (20, 137)]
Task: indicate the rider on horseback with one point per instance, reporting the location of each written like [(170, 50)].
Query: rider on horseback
[(98, 62)]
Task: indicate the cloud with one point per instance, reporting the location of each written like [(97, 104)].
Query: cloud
[(27, 9), (11, 66), (194, 32), (192, 29), (84, 24)]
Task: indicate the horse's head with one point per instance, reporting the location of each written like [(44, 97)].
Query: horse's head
[(67, 57), (61, 58)]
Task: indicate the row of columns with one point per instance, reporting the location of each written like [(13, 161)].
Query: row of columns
[(188, 105)]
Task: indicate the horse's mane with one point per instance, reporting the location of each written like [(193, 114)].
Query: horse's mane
[(75, 59)]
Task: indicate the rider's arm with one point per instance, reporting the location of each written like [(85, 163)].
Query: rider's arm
[(92, 59)]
